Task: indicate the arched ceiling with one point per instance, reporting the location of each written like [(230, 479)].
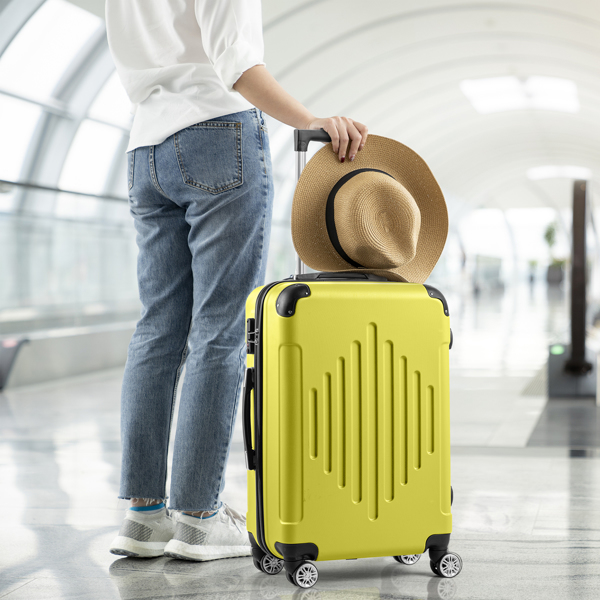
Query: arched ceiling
[(397, 66)]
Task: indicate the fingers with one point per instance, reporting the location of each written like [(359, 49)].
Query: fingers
[(330, 127), (344, 131), (342, 125), (364, 132), (356, 138)]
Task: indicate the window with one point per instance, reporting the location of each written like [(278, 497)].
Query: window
[(90, 157), (496, 94), (17, 122), (112, 105), (36, 59)]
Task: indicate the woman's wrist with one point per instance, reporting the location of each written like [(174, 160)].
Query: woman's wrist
[(261, 89)]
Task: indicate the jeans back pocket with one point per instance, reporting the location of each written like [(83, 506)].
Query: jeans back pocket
[(210, 155)]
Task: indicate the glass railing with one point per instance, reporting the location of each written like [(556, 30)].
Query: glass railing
[(69, 259)]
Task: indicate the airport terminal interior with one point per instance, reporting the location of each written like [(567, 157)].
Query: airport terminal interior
[(502, 100)]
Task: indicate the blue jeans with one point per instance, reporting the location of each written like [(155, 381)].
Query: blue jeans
[(202, 204)]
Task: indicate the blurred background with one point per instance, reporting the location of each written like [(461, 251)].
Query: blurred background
[(500, 98)]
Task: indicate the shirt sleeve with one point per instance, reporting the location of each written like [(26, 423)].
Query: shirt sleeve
[(231, 36)]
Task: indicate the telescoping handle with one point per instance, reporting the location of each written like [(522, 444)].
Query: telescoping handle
[(302, 137)]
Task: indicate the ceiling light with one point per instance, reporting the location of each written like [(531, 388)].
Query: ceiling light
[(496, 94), (552, 171)]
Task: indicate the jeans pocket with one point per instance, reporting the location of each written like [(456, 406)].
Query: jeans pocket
[(130, 165), (210, 155)]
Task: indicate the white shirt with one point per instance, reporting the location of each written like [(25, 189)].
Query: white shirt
[(178, 60)]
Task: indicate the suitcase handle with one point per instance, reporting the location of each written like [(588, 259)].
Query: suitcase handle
[(248, 387), (302, 137), (345, 276)]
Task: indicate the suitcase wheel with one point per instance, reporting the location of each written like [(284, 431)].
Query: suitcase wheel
[(305, 576), (450, 565), (408, 559), (269, 564)]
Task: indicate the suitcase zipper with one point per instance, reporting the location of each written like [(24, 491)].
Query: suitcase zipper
[(258, 372)]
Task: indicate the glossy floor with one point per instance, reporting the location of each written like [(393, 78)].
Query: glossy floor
[(526, 476)]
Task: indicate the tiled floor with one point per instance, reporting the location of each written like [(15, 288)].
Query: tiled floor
[(526, 478)]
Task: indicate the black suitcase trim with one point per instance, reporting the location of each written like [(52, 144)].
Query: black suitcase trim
[(258, 315)]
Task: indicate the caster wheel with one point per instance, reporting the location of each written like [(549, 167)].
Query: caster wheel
[(271, 565), (450, 565), (306, 575), (256, 563), (289, 577), (408, 559), (434, 567)]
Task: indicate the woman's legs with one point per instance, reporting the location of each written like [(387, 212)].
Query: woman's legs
[(158, 346), (229, 240), (202, 204)]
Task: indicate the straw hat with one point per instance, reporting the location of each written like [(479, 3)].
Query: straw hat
[(383, 213)]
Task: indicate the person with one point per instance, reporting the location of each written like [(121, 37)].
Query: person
[(201, 195)]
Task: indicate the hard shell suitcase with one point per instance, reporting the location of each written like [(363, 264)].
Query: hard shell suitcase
[(346, 420)]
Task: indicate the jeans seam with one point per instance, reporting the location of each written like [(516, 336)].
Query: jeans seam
[(260, 137), (241, 358), (131, 167), (238, 389), (174, 396), (153, 173), (262, 239)]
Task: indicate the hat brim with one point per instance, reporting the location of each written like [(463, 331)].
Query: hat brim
[(309, 229)]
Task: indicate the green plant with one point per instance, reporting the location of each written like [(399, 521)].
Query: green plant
[(550, 235)]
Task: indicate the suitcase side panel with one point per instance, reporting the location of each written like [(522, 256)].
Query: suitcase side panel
[(444, 432), (356, 420), (251, 479)]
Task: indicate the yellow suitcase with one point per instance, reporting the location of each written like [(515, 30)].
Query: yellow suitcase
[(346, 423)]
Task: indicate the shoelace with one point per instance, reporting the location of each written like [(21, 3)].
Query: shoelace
[(234, 516)]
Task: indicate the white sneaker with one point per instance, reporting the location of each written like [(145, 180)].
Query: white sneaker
[(144, 535), (223, 535)]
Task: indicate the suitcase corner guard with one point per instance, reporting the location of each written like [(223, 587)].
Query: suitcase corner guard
[(295, 554), (435, 293), (288, 298), (437, 544)]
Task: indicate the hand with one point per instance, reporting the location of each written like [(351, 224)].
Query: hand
[(342, 130)]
